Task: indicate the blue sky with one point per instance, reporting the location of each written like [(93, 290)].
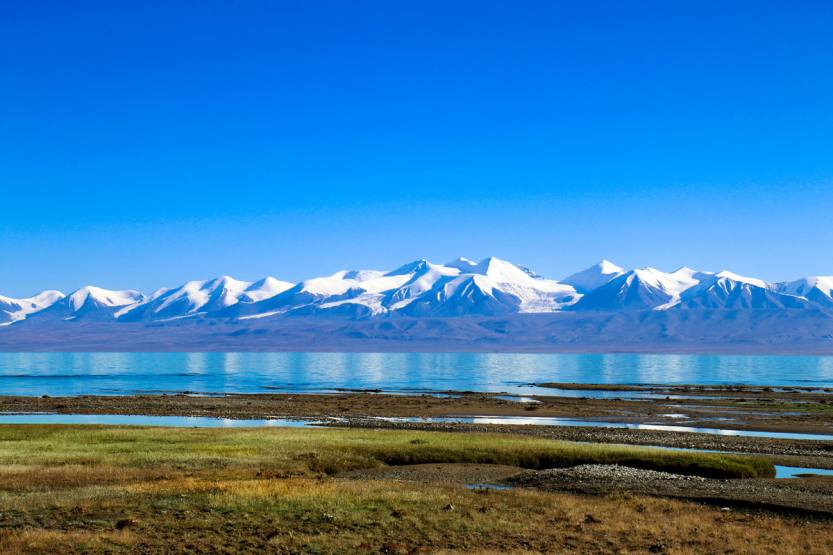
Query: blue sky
[(146, 143)]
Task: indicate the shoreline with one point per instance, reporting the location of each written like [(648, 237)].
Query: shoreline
[(807, 498), (743, 408), (752, 408), (142, 489)]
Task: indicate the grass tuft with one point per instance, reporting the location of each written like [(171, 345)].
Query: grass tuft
[(330, 451)]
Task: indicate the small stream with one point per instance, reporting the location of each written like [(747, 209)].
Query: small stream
[(212, 422), (555, 421)]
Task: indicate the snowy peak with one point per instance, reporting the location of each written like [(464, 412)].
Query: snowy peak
[(89, 302), (264, 289), (729, 291), (410, 268), (640, 289), (733, 277), (594, 277), (422, 279), (689, 274), (104, 298), (201, 296), (672, 284), (327, 286), (43, 299), (464, 295), (634, 290), (501, 271), (461, 287), (14, 310), (35, 302), (818, 290), (193, 296), (607, 267)]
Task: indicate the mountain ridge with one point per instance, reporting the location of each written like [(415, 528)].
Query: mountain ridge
[(422, 289)]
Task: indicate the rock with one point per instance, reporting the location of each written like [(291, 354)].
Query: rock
[(125, 523)]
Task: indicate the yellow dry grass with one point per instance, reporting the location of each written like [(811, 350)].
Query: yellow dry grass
[(256, 493)]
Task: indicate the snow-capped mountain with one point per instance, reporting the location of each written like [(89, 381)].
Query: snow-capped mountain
[(726, 290), (641, 289), (200, 297), (263, 289), (89, 302), (309, 295), (533, 293), (12, 310), (419, 288), (593, 277), (462, 287), (817, 290)]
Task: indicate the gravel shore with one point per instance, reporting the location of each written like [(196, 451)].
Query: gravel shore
[(809, 496)]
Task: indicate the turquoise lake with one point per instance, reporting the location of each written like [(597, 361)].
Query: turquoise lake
[(214, 373)]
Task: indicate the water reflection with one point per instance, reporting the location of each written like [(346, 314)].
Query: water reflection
[(102, 373), (141, 420), (797, 471), (554, 421)]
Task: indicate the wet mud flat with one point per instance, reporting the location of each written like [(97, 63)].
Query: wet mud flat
[(723, 407)]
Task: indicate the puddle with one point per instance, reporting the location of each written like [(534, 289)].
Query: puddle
[(142, 420), (798, 471), (554, 421), (517, 399), (496, 487), (211, 422)]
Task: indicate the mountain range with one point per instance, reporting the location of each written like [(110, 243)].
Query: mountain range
[(585, 306)]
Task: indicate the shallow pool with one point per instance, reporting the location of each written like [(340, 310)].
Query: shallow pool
[(554, 421), (142, 420)]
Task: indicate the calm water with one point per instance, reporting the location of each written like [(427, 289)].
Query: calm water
[(144, 420), (210, 422), (796, 471), (555, 421), (120, 373)]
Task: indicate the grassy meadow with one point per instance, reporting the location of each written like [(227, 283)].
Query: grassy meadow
[(126, 489)]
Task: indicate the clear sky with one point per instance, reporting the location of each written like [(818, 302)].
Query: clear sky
[(143, 144)]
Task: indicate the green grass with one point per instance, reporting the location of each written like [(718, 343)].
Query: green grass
[(94, 489), (330, 451), (789, 406)]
